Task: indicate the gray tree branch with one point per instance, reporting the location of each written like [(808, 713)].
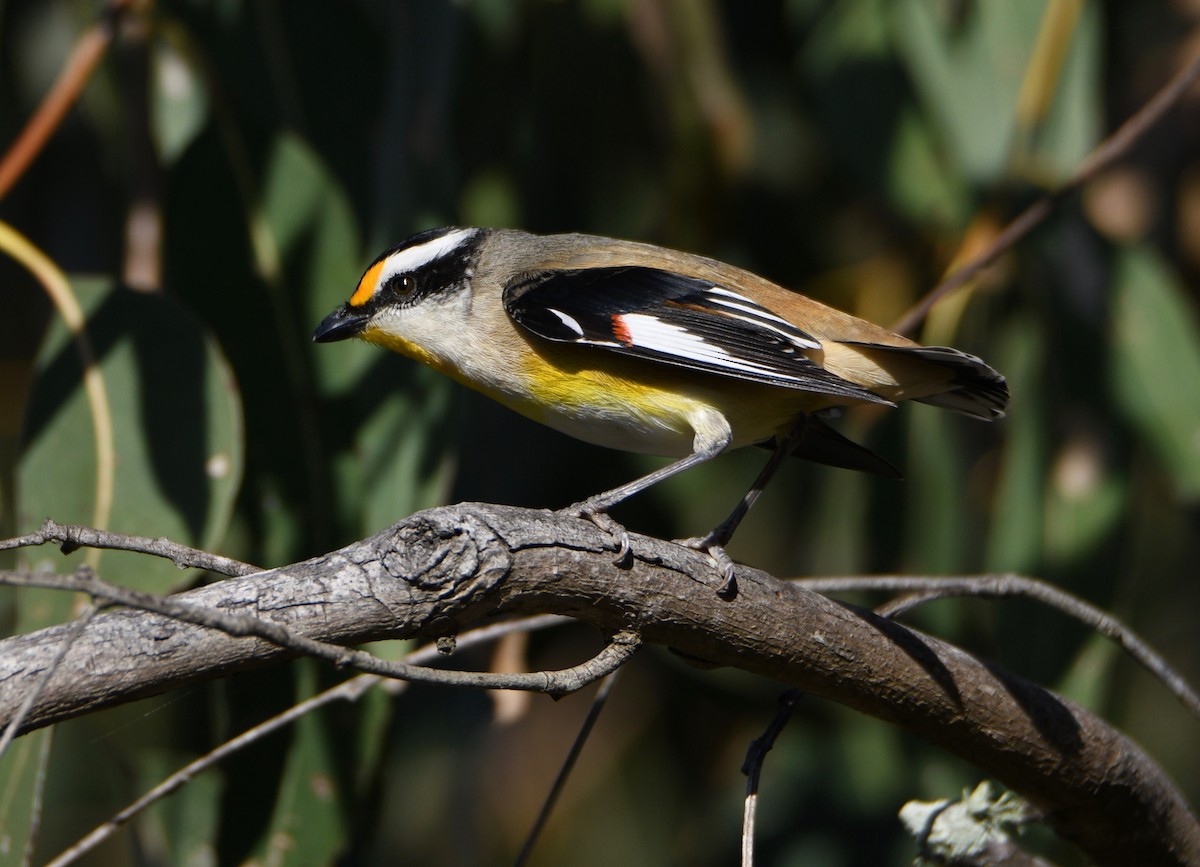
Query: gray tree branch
[(441, 571)]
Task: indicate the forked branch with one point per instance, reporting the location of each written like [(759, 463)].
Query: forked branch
[(441, 571)]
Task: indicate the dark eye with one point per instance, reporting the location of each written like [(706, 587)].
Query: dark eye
[(400, 286)]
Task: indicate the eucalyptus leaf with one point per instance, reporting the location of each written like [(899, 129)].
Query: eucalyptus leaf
[(1156, 364), (176, 431), (968, 74), (179, 100), (1016, 537), (22, 784), (307, 826)]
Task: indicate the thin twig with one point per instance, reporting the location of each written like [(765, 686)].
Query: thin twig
[(35, 693), (556, 683), (568, 765), (463, 561), (73, 536), (349, 690), (756, 754), (925, 589), (1104, 155), (89, 50)]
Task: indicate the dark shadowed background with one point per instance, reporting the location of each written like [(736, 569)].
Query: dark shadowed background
[(231, 169)]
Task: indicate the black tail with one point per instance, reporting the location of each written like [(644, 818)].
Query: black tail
[(975, 389)]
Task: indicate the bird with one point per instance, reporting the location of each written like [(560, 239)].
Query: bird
[(651, 350)]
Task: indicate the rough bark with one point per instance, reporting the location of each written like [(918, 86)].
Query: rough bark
[(441, 571)]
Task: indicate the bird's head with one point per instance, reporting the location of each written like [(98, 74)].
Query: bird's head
[(408, 298)]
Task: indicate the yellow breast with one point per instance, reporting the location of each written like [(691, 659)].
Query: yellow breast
[(641, 406)]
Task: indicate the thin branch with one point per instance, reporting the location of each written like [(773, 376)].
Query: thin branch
[(443, 570), (620, 648), (73, 536), (568, 765), (756, 756), (35, 693), (1108, 152), (752, 766), (921, 590), (89, 50), (350, 690)]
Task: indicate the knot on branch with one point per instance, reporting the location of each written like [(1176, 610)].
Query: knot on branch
[(451, 553)]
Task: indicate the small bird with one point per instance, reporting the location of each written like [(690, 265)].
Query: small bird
[(641, 348)]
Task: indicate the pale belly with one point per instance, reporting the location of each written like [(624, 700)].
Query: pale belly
[(622, 413)]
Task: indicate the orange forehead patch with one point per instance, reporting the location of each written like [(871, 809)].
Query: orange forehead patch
[(367, 285)]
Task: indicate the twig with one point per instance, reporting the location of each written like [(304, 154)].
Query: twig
[(752, 768), (756, 753), (349, 690), (10, 731), (73, 536), (620, 648), (442, 570), (568, 765), (85, 57), (1104, 155), (923, 589)]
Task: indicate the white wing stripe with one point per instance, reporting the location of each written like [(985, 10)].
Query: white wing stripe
[(755, 314), (649, 332), (568, 321)]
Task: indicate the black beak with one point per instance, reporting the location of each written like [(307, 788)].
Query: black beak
[(339, 325)]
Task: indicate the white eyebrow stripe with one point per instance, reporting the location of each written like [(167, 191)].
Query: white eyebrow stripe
[(412, 258), (650, 332)]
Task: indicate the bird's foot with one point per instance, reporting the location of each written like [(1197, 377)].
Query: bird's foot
[(596, 513), (713, 546)]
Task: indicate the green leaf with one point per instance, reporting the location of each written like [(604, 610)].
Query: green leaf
[(399, 462), (308, 826), (1156, 364), (968, 74), (1076, 119), (935, 529), (1085, 501), (403, 468), (179, 98), (176, 431), (315, 232), (184, 826), (1016, 537), (1089, 679), (917, 178), (23, 768), (22, 783)]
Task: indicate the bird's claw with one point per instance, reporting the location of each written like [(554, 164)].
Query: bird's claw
[(607, 524), (724, 563)]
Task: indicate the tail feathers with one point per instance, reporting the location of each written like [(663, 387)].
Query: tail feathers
[(824, 445), (974, 389)]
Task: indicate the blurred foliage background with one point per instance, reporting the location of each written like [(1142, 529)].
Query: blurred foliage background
[(232, 166)]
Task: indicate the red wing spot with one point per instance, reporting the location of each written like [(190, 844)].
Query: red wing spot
[(620, 330)]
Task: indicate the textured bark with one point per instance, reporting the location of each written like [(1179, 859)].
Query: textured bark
[(441, 571)]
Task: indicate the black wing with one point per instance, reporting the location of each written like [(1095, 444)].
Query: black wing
[(673, 319)]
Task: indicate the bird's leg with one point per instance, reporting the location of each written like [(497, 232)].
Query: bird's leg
[(595, 509), (714, 543)]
